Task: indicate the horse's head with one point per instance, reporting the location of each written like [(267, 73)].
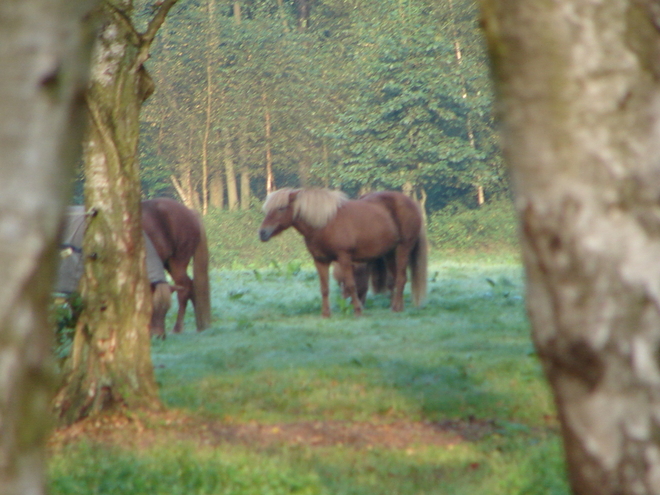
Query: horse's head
[(279, 211)]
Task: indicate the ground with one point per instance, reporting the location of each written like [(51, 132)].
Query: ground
[(144, 429)]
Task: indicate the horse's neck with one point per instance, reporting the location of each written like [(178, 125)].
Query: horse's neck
[(306, 230)]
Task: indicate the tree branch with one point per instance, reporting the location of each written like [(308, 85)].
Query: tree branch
[(157, 21)]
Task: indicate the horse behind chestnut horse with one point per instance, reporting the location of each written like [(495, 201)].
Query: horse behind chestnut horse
[(374, 273), (178, 235), (384, 224)]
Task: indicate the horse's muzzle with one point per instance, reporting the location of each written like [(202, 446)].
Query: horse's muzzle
[(266, 233)]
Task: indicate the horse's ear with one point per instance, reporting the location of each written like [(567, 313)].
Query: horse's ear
[(293, 195)]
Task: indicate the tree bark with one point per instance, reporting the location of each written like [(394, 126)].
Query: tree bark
[(217, 191), (44, 57), (110, 365), (230, 171), (270, 178), (579, 97), (246, 193)]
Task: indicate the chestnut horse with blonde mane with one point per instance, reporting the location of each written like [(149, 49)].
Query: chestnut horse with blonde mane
[(178, 236), (384, 225)]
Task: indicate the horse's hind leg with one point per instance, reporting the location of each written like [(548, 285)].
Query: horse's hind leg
[(350, 287), (323, 269), (401, 257), (184, 291)]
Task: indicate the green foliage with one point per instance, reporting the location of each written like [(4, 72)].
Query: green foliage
[(418, 119), (234, 243), (64, 311), (491, 228), (371, 95)]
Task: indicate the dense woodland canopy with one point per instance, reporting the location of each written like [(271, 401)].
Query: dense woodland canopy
[(352, 94)]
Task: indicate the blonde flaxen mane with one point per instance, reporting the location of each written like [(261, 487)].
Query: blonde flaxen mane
[(315, 207)]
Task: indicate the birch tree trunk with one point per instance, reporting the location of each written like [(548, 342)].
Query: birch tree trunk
[(110, 365), (579, 97), (44, 58)]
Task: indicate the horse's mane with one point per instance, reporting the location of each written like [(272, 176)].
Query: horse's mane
[(313, 206)]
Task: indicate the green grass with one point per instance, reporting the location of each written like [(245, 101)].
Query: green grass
[(270, 358)]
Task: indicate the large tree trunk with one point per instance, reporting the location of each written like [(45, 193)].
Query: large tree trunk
[(44, 69), (110, 363), (579, 93)]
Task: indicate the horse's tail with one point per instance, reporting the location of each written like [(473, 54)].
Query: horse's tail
[(201, 290), (378, 275), (419, 267)]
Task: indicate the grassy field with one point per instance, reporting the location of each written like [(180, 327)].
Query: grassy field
[(445, 399)]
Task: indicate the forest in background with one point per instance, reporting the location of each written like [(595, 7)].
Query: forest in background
[(253, 95)]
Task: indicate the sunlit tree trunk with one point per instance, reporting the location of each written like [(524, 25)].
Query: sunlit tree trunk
[(579, 98), (270, 179), (210, 60), (303, 10), (217, 191), (205, 140), (464, 93), (184, 186), (237, 12), (110, 364), (44, 64), (246, 193), (230, 171)]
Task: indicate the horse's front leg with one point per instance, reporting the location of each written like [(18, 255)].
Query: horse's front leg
[(323, 268), (346, 265)]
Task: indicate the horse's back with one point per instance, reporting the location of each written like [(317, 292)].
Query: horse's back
[(404, 211), (173, 228), (365, 230)]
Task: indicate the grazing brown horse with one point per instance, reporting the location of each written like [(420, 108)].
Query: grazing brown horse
[(360, 276), (178, 235), (374, 273), (385, 224)]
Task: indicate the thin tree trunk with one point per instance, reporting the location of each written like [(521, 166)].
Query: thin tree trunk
[(326, 163), (270, 179), (246, 194), (303, 170), (578, 91), (44, 58), (184, 186), (468, 118), (210, 50), (237, 12), (230, 172), (217, 191), (205, 140)]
